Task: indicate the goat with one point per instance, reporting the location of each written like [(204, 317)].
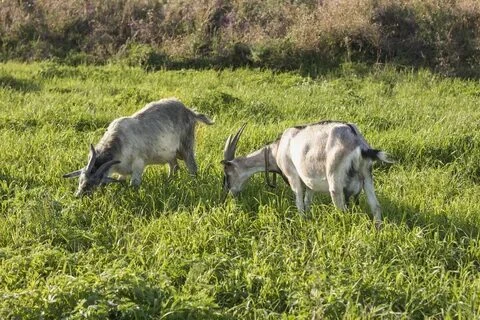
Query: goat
[(162, 132), (328, 156)]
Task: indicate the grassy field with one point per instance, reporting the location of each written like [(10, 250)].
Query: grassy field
[(171, 250)]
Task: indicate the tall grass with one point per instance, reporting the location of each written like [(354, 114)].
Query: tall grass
[(171, 250), (312, 35)]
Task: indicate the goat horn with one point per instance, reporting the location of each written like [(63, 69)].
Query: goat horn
[(91, 159), (226, 148), (232, 144)]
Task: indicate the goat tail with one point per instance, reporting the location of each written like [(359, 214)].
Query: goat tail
[(203, 118), (375, 154)]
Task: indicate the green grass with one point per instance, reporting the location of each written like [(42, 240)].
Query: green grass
[(171, 250)]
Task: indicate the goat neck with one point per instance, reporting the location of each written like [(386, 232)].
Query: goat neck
[(255, 161)]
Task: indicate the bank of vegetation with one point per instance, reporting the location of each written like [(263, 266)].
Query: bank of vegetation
[(310, 35)]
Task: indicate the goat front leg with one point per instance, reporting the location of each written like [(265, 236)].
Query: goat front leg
[(173, 168), (298, 188), (372, 201), (335, 177), (137, 171)]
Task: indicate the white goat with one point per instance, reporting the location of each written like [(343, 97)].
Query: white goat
[(328, 156), (161, 132)]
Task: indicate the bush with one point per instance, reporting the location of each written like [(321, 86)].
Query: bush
[(442, 35), (135, 54)]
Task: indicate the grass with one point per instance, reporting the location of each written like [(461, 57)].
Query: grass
[(171, 250)]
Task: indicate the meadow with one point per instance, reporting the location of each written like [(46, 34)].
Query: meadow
[(172, 250)]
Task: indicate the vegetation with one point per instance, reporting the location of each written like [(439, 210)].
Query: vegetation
[(171, 250), (312, 35)]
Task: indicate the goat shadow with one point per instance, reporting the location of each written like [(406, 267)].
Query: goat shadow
[(399, 213), (160, 195)]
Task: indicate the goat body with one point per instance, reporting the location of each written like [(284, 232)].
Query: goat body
[(327, 156), (161, 132)]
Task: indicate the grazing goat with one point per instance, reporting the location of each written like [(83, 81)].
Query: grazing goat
[(328, 156), (161, 132)]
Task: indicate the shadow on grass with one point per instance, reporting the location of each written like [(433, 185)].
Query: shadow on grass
[(159, 195), (412, 217), (308, 63), (22, 85), (88, 124), (11, 181), (305, 63), (80, 125), (19, 124), (393, 212), (196, 313)]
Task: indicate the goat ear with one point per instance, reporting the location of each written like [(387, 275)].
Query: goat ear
[(73, 174), (110, 180), (226, 163), (106, 166)]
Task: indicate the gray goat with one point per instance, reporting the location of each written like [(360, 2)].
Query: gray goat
[(328, 156), (161, 132)]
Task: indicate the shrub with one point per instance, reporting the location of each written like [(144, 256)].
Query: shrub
[(442, 35)]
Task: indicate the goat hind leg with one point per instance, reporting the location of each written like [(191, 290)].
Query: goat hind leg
[(308, 198), (372, 200), (336, 192), (189, 158)]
